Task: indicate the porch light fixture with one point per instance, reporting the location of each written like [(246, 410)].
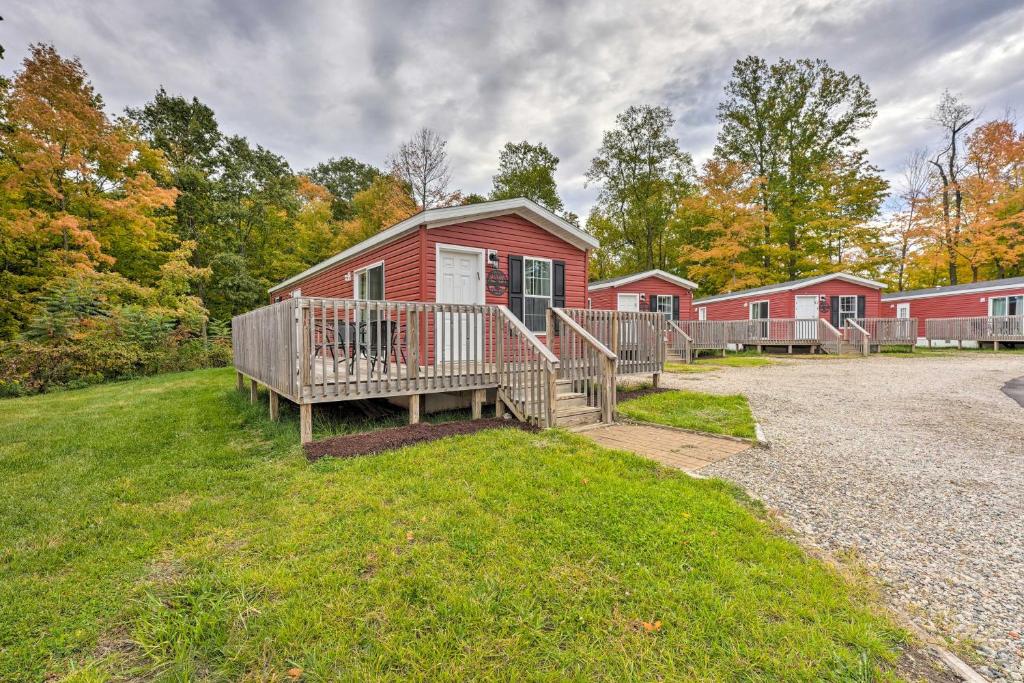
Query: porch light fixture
[(348, 276)]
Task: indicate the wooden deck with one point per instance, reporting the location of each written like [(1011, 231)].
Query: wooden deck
[(316, 350), (993, 330)]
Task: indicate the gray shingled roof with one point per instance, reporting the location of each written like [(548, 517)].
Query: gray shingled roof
[(948, 289)]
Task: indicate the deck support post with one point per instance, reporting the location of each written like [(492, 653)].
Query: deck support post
[(995, 345), (656, 380), (478, 403), (239, 381), (305, 422), (254, 391), (275, 408), (790, 349), (499, 407), (414, 408), (759, 347)]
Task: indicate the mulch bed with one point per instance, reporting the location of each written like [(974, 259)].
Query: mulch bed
[(352, 445), (626, 394)]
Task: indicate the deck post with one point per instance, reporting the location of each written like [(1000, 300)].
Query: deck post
[(995, 345), (478, 403), (254, 391), (305, 422), (413, 343), (790, 349), (239, 381), (549, 329), (656, 380), (275, 408), (499, 407), (615, 334), (414, 408)]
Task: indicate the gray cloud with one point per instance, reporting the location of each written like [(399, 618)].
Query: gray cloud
[(314, 80)]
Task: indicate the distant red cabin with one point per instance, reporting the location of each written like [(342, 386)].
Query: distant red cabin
[(651, 290), (993, 298), (836, 297), (510, 252)]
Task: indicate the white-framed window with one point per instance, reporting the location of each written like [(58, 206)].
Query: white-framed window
[(702, 313), (759, 310), (847, 309), (663, 304), (369, 282), (999, 306), (537, 287)]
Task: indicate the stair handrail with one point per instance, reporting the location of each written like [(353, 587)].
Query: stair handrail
[(837, 336), (687, 339), (605, 396), (518, 373), (865, 336)]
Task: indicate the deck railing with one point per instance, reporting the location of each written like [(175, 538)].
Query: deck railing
[(587, 363), (890, 331), (986, 329), (830, 339), (527, 371), (265, 346), (858, 337), (679, 342), (774, 331), (636, 338), (706, 334)]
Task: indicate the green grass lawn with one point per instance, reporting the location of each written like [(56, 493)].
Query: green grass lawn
[(728, 415), (709, 363), (164, 529)]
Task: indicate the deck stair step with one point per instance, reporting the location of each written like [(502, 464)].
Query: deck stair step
[(577, 416)]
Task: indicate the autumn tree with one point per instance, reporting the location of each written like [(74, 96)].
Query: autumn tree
[(385, 202), (795, 125), (722, 225), (907, 229), (527, 170), (79, 188), (343, 178), (642, 174), (422, 164)]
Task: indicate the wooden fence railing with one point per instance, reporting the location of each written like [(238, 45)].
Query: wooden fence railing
[(987, 329), (830, 339), (265, 345), (858, 337), (679, 342), (585, 361), (527, 371), (770, 331), (890, 331), (636, 338), (706, 334)]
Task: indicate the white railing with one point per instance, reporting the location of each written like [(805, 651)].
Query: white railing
[(583, 360), (771, 331), (987, 329), (636, 338)]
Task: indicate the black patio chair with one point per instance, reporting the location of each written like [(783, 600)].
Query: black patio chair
[(381, 342), (341, 342)]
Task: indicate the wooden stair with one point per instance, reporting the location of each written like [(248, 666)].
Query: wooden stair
[(571, 409)]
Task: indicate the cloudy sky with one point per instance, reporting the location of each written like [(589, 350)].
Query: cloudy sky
[(311, 80)]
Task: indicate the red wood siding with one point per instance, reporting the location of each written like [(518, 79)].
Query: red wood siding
[(966, 305), (607, 298), (401, 273), (410, 262), (783, 304), (510, 235)]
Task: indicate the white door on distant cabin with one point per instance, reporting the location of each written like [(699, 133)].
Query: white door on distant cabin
[(702, 313), (807, 317), (629, 302), (903, 311), (459, 335)]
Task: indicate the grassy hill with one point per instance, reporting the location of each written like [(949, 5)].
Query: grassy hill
[(163, 528)]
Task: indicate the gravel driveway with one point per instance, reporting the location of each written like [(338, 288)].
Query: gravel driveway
[(917, 464)]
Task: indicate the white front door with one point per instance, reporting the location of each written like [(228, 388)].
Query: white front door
[(460, 280), (807, 317), (903, 311), (702, 313), (629, 302)]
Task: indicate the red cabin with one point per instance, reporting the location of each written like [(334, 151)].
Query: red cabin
[(975, 307), (651, 290), (511, 252)]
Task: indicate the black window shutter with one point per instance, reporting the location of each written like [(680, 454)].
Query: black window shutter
[(652, 301), (675, 307), (862, 304), (834, 311), (558, 284), (515, 286)]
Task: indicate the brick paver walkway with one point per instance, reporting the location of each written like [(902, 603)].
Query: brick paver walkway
[(672, 447)]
